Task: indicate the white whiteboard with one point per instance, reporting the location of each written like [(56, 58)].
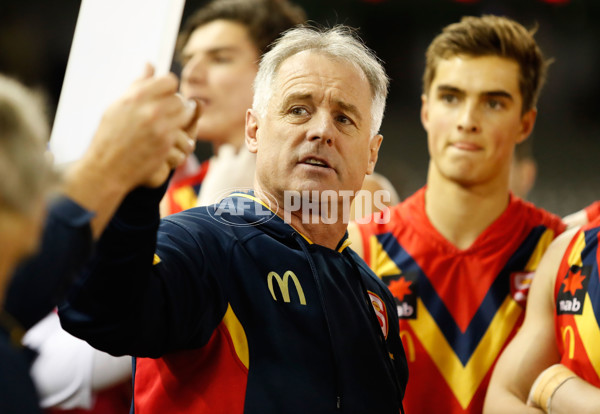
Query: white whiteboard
[(112, 42)]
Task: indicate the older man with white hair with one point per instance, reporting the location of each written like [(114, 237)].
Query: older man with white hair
[(252, 312)]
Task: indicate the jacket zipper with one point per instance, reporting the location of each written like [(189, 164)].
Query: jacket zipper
[(336, 362)]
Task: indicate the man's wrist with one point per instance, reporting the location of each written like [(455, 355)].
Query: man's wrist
[(546, 385), (88, 184)]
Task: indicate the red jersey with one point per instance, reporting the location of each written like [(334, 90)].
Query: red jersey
[(577, 298), (593, 211), (113, 400), (171, 384), (457, 308), (184, 187)]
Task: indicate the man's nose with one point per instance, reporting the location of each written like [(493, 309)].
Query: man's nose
[(194, 71), (468, 120), (322, 128)]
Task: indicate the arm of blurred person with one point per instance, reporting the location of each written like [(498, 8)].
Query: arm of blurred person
[(583, 216), (141, 137), (377, 192), (229, 170), (68, 371), (521, 367), (355, 237), (577, 219)]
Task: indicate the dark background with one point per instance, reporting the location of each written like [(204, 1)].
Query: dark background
[(35, 37)]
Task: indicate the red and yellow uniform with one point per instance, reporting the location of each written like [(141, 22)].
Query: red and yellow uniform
[(457, 308), (577, 298), (593, 211), (184, 187)]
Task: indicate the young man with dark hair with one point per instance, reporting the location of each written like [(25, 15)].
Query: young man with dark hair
[(219, 48)]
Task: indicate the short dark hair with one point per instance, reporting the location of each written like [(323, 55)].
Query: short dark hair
[(265, 20), (491, 36)]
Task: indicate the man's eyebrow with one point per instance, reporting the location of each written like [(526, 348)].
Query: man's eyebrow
[(449, 88), (211, 51), (499, 94), (296, 96), (493, 93), (301, 96), (347, 107)]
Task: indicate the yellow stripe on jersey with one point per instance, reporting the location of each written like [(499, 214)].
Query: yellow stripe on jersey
[(587, 325), (539, 251), (186, 197), (381, 264), (465, 380), (575, 255), (238, 336), (156, 259)]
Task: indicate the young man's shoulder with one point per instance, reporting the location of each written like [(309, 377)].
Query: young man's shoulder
[(536, 216)]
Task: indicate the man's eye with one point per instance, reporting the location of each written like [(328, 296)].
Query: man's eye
[(495, 104), (297, 110), (222, 59), (343, 119), (449, 98)]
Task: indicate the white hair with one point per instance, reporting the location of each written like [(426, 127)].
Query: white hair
[(24, 133), (339, 42)]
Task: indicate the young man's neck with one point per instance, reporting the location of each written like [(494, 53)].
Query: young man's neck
[(235, 141), (462, 213)]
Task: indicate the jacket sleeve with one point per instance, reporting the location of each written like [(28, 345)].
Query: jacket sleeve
[(40, 282), (130, 301)]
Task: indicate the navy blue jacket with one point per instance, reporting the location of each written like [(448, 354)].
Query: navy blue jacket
[(315, 341), (34, 290)]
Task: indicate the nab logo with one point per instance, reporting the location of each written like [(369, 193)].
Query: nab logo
[(284, 288), (404, 289), (573, 289)]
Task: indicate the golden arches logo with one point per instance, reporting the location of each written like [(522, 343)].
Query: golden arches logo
[(283, 284), (571, 345), (409, 345)]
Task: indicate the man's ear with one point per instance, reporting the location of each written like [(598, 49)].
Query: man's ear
[(527, 123), (374, 145), (424, 111), (251, 131)]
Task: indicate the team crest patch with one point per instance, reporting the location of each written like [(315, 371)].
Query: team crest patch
[(380, 311), (571, 293), (404, 289), (519, 286)]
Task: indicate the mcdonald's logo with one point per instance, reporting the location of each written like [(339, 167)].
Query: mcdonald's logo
[(409, 345), (284, 287), (568, 330)]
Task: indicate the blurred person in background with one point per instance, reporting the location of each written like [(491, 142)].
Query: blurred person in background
[(523, 170), (26, 179), (583, 216), (219, 48), (141, 137), (522, 179)]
